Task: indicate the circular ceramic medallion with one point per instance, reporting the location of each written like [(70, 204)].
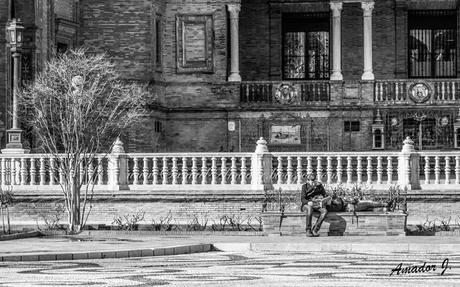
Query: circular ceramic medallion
[(285, 93), (419, 92)]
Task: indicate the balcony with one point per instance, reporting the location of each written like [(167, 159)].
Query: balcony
[(430, 91), (298, 93)]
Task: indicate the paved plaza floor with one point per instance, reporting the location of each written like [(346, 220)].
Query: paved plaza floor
[(237, 269)]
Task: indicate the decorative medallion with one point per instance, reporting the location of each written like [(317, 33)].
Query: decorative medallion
[(444, 121), (419, 92), (394, 121), (285, 93)]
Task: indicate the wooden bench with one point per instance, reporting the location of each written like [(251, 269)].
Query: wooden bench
[(336, 223)]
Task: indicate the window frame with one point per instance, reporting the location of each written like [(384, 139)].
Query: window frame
[(418, 23), (305, 23)]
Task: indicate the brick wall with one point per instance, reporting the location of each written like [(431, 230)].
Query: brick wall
[(122, 29), (183, 209), (65, 9)]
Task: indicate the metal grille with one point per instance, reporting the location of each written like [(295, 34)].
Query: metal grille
[(306, 46), (432, 44)]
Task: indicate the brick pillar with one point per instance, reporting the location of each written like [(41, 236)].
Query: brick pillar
[(118, 167), (408, 166), (261, 167)]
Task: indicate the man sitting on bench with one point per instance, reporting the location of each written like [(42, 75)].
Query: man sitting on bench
[(313, 198)]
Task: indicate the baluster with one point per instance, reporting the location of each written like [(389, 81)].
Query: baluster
[(389, 170), (349, 171), (261, 170), (309, 165), (136, 171), (185, 170), (3, 172), (379, 170), (457, 169), (145, 171), (339, 169), (243, 170), (100, 171), (447, 170), (165, 170), (329, 169), (443, 91), (280, 170), (155, 171), (299, 170), (204, 170), (17, 163), (90, 172), (369, 170), (359, 170), (174, 170), (12, 171), (319, 170), (427, 170), (32, 172), (51, 172), (24, 171), (214, 170), (289, 170), (194, 170), (233, 170), (224, 170), (61, 173), (42, 171), (437, 170), (454, 96), (397, 95)]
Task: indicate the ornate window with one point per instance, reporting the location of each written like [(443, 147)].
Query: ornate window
[(305, 46), (432, 43)]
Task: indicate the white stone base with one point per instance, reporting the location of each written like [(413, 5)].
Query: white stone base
[(15, 151), (234, 77), (368, 76)]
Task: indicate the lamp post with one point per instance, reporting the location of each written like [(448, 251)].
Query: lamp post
[(14, 34)]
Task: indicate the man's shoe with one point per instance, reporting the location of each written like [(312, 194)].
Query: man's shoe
[(310, 234), (315, 233)]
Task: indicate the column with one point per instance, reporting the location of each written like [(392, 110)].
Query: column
[(234, 10), (336, 8), (367, 7)]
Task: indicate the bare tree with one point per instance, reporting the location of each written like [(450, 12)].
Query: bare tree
[(75, 107)]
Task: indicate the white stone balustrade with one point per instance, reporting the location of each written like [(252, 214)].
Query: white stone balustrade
[(427, 170)]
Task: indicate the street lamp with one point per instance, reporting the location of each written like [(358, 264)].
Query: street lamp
[(14, 35)]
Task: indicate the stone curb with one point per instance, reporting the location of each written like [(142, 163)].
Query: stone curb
[(21, 235), (373, 248), (172, 250)]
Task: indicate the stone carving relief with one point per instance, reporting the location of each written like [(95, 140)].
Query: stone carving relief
[(419, 92)]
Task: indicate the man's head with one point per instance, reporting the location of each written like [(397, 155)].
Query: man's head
[(311, 178)]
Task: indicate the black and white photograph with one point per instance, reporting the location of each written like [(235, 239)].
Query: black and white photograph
[(229, 143)]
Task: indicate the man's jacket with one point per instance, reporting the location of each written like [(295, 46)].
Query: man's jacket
[(309, 191)]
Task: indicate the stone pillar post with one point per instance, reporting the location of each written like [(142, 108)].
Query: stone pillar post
[(367, 7), (261, 167), (118, 167), (336, 8), (234, 10), (409, 166)]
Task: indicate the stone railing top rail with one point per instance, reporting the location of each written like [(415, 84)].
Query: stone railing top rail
[(341, 153), (47, 155), (418, 80), (191, 154), (286, 81), (439, 153)]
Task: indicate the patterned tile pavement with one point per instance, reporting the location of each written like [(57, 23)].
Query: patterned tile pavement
[(237, 269)]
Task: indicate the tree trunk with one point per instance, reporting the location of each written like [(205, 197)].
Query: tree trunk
[(74, 212), (3, 219), (8, 219)]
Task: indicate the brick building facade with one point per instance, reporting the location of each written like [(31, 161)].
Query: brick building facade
[(307, 75)]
